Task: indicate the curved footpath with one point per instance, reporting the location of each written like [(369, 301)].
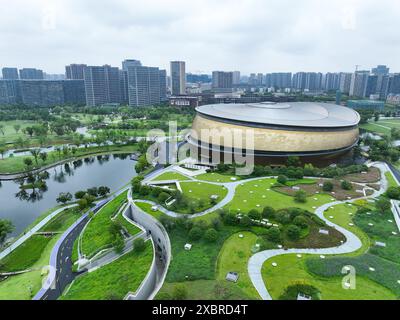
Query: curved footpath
[(353, 243)]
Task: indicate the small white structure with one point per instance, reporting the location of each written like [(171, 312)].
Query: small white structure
[(214, 197), (299, 256), (233, 179), (188, 247), (351, 224), (274, 264), (380, 244), (303, 297), (241, 236), (232, 277), (154, 208), (323, 231), (296, 188), (371, 269), (322, 256)]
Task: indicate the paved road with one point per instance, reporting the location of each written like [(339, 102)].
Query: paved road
[(32, 231), (352, 242)]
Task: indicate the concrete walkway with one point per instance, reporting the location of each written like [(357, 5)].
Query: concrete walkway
[(352, 242), (32, 231)]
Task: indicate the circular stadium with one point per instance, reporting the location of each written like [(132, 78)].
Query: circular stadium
[(304, 129)]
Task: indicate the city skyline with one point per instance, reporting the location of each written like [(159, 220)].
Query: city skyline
[(240, 37)]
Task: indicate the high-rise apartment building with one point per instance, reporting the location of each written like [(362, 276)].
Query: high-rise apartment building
[(146, 86), (130, 63), (222, 80), (380, 70), (75, 71), (178, 78), (358, 84), (345, 82), (278, 80), (102, 85), (10, 74), (331, 81), (236, 78), (31, 74)]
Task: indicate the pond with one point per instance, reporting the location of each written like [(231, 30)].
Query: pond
[(22, 208)]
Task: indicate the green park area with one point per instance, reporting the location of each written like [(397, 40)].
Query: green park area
[(99, 234), (114, 280), (171, 175), (217, 177), (33, 255)]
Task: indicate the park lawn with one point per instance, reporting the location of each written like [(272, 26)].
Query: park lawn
[(204, 290), (376, 128), (391, 181), (171, 175), (114, 280), (291, 269), (62, 221), (146, 207), (341, 217), (234, 257), (130, 227), (292, 183), (97, 236), (16, 164), (216, 177), (392, 123), (10, 135), (244, 200), (203, 191), (26, 255)]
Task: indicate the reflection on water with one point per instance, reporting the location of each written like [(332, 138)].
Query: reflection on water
[(22, 205)]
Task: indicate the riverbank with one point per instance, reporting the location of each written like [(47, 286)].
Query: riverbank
[(14, 168)]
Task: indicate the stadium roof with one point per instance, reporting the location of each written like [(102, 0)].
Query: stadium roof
[(293, 114)]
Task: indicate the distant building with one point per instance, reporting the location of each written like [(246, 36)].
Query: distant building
[(278, 80), (9, 92), (74, 92), (146, 86), (184, 101), (236, 78), (394, 84), (197, 78), (371, 86), (75, 71), (358, 84), (10, 74), (393, 99), (178, 78), (331, 81), (345, 82), (31, 74), (222, 80), (366, 104), (307, 81), (380, 70), (130, 63), (102, 85)]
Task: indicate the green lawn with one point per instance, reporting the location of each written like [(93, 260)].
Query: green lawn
[(114, 280), (372, 127), (146, 207), (131, 228), (392, 182), (171, 175), (291, 269), (202, 191), (216, 177), (97, 235), (234, 257), (261, 192), (62, 220)]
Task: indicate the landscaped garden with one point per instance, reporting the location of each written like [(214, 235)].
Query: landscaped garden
[(115, 280)]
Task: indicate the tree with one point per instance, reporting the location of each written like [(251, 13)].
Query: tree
[(293, 162), (2, 152), (28, 162), (327, 186), (43, 156), (383, 205), (293, 232), (300, 221), (245, 221), (254, 214), (179, 292), (346, 185), (300, 196), (393, 193), (268, 213), (64, 197), (6, 227), (274, 235), (139, 245), (80, 194), (211, 235), (118, 244), (35, 154), (17, 127), (162, 197), (195, 233), (282, 179), (103, 191), (82, 203)]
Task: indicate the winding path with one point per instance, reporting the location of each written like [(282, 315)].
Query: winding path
[(353, 243)]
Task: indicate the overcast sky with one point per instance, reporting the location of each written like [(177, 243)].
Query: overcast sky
[(246, 35)]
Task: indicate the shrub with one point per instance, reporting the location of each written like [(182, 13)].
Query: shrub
[(300, 221), (293, 232), (216, 223), (346, 185), (283, 216), (230, 219), (300, 196), (245, 221), (82, 203), (328, 186), (195, 233), (211, 235), (393, 193), (80, 194), (254, 214), (118, 244), (268, 213), (139, 245), (162, 197), (383, 205), (282, 179), (273, 235), (179, 292)]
